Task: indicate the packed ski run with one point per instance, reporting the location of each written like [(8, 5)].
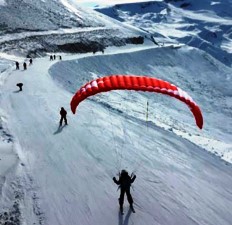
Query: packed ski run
[(63, 168)]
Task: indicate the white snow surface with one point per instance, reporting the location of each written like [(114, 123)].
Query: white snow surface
[(97, 3), (196, 23), (53, 175), (2, 2), (30, 27), (64, 175)]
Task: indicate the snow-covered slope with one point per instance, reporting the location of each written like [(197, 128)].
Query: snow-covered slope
[(52, 175), (31, 15), (177, 66), (202, 24), (63, 175), (31, 27)]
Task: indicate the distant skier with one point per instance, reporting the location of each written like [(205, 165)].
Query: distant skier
[(30, 61), (24, 66), (63, 114), (125, 182), (51, 57), (17, 65), (60, 57), (54, 57), (20, 85)]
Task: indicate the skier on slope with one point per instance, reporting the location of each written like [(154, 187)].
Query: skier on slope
[(20, 85), (125, 182), (24, 66), (17, 65), (63, 114)]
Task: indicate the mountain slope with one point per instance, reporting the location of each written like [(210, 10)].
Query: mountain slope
[(64, 174), (204, 25), (33, 28)]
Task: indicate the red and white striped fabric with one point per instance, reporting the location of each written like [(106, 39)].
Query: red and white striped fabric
[(137, 83)]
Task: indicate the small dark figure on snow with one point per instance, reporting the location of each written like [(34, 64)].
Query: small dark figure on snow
[(54, 57), (125, 182), (17, 65), (60, 57), (51, 57), (20, 85), (30, 61), (63, 114), (24, 66)]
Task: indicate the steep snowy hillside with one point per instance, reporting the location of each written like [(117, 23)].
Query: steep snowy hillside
[(177, 66), (31, 27), (206, 25), (63, 175)]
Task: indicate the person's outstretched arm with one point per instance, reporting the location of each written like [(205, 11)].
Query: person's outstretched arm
[(133, 178), (116, 181)]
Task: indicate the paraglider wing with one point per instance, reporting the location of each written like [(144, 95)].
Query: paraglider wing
[(137, 83)]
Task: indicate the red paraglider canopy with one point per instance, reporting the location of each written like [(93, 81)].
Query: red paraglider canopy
[(137, 83)]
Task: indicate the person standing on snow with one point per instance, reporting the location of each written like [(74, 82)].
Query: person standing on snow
[(125, 182), (20, 85), (30, 61), (17, 65), (63, 114), (24, 66)]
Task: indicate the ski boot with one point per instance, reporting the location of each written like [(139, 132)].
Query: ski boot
[(132, 208), (121, 210)]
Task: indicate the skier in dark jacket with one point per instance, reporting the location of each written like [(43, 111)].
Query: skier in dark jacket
[(20, 85), (125, 182), (30, 60), (17, 65), (63, 114), (24, 66)]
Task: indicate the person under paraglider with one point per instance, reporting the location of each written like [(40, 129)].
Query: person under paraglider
[(125, 182), (63, 114)]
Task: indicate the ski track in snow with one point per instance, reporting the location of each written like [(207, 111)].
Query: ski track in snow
[(64, 174)]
